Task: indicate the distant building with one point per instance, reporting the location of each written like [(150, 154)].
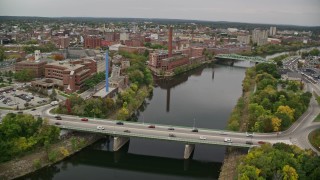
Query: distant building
[(273, 31), (92, 42), (260, 36), (244, 39)]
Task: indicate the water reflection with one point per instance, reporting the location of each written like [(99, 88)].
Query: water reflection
[(87, 164)]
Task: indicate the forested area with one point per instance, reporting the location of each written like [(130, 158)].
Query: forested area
[(280, 161), (20, 133), (274, 106)]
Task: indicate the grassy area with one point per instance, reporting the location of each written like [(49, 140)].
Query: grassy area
[(317, 119), (314, 139)]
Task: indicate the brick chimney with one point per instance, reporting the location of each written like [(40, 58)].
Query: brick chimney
[(170, 42)]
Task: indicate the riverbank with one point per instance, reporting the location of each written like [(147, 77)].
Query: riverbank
[(238, 122), (43, 157)]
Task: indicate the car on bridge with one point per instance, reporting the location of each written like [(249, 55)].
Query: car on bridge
[(202, 138), (249, 134), (151, 126), (194, 130), (119, 123), (227, 140), (100, 127), (84, 119)]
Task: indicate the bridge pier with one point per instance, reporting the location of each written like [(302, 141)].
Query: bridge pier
[(118, 142), (188, 150)]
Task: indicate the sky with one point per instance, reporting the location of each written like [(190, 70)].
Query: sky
[(291, 12)]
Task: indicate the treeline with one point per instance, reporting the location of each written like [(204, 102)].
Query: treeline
[(43, 48), (281, 161), (94, 80), (276, 48), (269, 109), (313, 52), (22, 133), (154, 46)]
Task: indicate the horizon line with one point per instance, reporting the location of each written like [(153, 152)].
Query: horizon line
[(315, 26)]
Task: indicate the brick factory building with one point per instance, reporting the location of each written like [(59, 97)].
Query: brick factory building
[(92, 42)]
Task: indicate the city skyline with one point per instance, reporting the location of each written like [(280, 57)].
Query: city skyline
[(288, 12)]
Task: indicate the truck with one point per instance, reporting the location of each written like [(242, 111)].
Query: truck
[(53, 103)]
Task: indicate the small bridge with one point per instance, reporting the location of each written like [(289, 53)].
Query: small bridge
[(237, 57)]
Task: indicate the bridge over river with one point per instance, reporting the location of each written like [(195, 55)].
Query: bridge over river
[(237, 57)]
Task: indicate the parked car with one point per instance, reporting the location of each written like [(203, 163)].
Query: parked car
[(227, 140), (194, 130), (84, 119), (203, 138), (172, 135), (100, 127), (119, 123), (171, 128), (151, 126)]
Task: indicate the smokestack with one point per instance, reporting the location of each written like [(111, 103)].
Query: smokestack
[(107, 71), (170, 42)]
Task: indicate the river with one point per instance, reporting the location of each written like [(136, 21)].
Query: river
[(203, 98)]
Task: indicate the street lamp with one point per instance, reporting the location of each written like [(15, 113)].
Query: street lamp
[(142, 118)]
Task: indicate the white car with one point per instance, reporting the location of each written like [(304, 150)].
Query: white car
[(203, 138), (227, 140), (100, 127)]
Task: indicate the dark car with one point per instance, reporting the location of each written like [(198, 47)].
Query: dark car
[(194, 130), (58, 117), (249, 142), (20, 112), (57, 123), (127, 131), (119, 123), (33, 109), (151, 126), (84, 119), (171, 128), (172, 135)]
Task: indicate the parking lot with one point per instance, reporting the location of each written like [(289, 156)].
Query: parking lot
[(12, 99)]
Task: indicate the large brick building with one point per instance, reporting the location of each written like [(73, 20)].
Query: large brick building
[(71, 74), (37, 67), (92, 41)]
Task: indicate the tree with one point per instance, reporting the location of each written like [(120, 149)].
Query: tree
[(58, 57), (2, 55), (289, 173), (24, 75), (276, 123), (53, 95)]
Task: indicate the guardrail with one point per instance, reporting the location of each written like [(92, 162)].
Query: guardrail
[(167, 138)]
